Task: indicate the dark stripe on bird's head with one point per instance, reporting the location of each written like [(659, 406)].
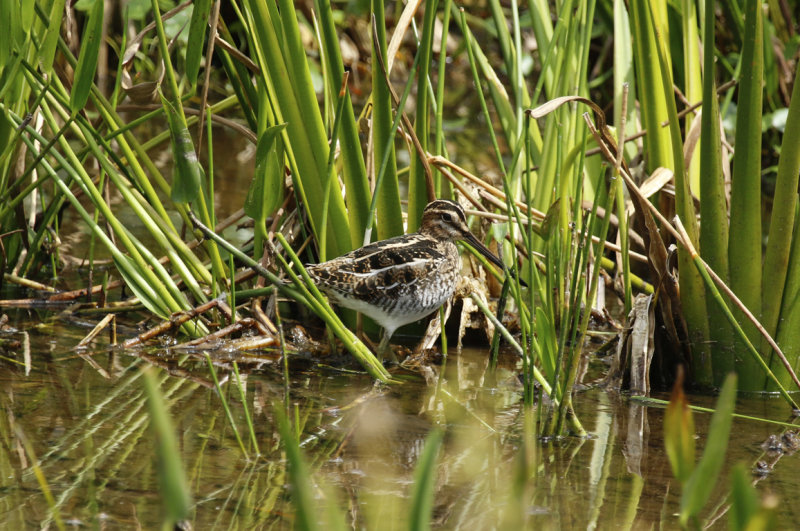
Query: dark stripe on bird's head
[(442, 206), (444, 219)]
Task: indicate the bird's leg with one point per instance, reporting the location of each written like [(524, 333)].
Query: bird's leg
[(385, 350)]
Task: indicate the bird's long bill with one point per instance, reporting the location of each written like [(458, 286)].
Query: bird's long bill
[(475, 243)]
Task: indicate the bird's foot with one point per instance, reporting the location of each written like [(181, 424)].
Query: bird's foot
[(385, 352)]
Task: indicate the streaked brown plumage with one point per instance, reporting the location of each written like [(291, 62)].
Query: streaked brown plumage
[(402, 279)]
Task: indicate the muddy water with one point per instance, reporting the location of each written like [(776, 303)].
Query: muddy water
[(84, 418)]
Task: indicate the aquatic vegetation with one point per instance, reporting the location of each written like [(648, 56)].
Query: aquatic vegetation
[(118, 135)]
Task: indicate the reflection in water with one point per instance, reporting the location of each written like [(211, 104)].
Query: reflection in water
[(85, 426)]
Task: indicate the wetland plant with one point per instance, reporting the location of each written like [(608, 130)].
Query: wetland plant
[(575, 199)]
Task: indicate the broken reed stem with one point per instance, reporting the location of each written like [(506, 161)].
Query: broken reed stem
[(174, 321)]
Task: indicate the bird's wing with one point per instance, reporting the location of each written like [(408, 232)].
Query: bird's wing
[(384, 269)]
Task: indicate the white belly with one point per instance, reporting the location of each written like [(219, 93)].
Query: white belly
[(407, 310)]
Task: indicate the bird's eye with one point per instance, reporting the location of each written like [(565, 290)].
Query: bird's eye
[(447, 217)]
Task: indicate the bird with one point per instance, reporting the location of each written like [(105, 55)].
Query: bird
[(401, 280)]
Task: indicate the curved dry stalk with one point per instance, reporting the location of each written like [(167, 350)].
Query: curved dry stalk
[(441, 162)]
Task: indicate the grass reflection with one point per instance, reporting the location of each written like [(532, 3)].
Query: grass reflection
[(362, 446)]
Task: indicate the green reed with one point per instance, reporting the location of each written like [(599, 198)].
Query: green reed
[(81, 145), (733, 249), (699, 479), (172, 479)]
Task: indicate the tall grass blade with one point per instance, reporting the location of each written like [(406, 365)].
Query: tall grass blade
[(744, 248), (424, 483), (713, 203), (693, 82), (175, 493), (390, 214), (444, 188), (26, 18), (782, 232), (197, 30), (285, 73), (624, 90), (417, 178), (788, 334), (354, 173), (542, 24), (701, 484), (9, 30), (650, 84), (388, 154), (692, 292), (52, 30), (87, 59), (299, 475)]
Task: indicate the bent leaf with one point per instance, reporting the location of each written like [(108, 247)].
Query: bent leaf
[(187, 174), (266, 190)]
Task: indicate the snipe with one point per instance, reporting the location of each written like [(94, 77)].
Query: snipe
[(402, 279)]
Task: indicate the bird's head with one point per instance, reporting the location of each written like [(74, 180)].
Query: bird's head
[(445, 220)]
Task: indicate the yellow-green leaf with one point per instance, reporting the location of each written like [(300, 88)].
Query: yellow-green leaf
[(187, 174), (679, 433), (698, 489), (266, 190)]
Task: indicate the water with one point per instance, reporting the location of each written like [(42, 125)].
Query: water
[(84, 417)]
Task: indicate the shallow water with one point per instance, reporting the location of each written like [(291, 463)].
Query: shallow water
[(85, 417)]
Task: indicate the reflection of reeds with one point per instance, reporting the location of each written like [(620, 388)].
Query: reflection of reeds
[(364, 453)]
